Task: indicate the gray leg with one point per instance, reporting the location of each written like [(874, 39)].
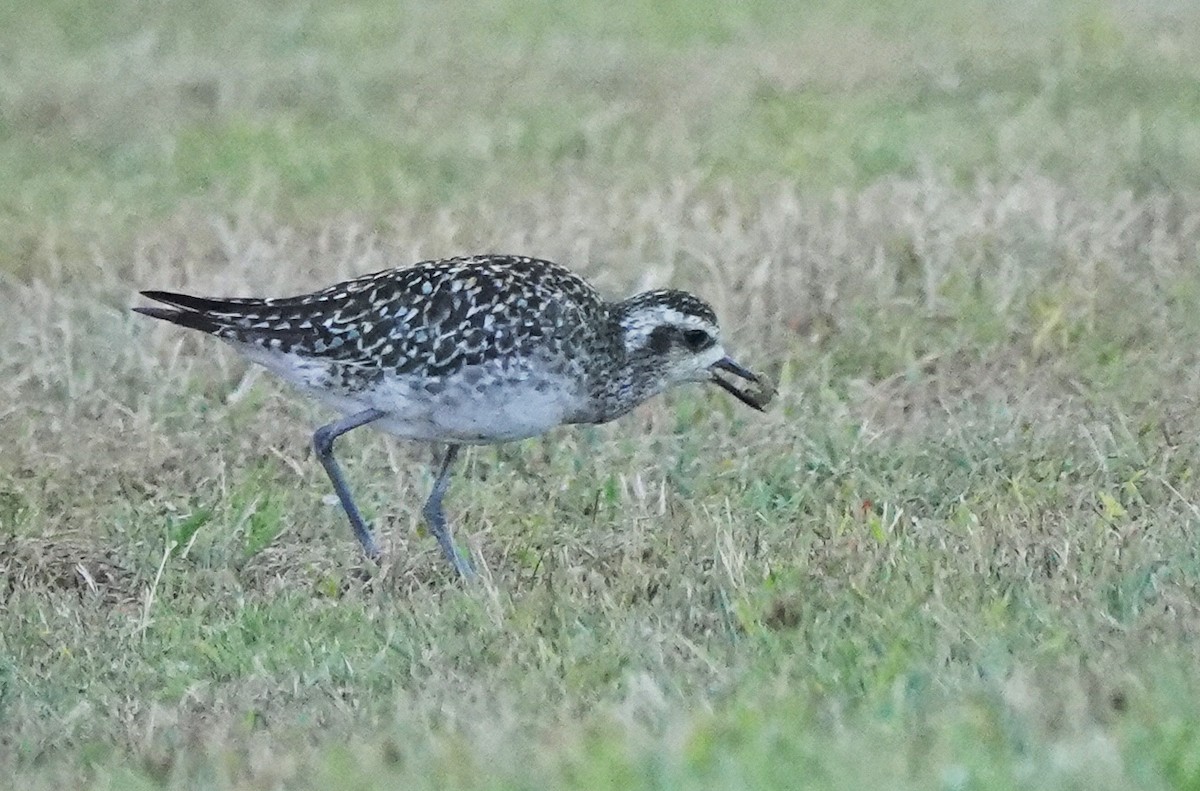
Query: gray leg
[(436, 519), (323, 445)]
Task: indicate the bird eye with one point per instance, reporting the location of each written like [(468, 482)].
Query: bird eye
[(697, 340)]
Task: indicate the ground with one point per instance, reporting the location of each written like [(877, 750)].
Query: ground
[(959, 551)]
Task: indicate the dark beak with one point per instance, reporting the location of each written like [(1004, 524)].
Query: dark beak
[(758, 397)]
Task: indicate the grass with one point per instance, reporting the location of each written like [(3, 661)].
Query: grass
[(959, 552)]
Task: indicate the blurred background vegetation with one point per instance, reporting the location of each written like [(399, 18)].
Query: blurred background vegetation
[(113, 115)]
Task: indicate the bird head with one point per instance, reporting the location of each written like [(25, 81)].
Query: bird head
[(674, 337)]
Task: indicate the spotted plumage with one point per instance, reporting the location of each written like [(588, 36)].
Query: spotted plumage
[(468, 350)]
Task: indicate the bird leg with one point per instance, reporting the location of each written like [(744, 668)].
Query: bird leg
[(323, 444), (436, 518)]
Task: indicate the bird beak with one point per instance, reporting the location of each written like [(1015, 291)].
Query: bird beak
[(758, 397)]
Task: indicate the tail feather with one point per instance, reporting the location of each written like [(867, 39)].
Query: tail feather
[(184, 318), (231, 307), (214, 316), (245, 320)]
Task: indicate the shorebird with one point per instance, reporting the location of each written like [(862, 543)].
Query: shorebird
[(468, 351)]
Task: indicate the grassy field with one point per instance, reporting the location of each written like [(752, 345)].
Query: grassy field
[(959, 552)]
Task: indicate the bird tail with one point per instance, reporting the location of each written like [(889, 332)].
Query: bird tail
[(201, 313), (184, 318)]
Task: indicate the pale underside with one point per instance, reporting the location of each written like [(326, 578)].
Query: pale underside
[(498, 401)]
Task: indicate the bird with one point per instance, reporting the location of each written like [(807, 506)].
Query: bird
[(471, 350)]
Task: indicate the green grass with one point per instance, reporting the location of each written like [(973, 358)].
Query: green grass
[(958, 552)]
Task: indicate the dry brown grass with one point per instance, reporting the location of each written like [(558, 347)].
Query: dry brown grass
[(913, 309)]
